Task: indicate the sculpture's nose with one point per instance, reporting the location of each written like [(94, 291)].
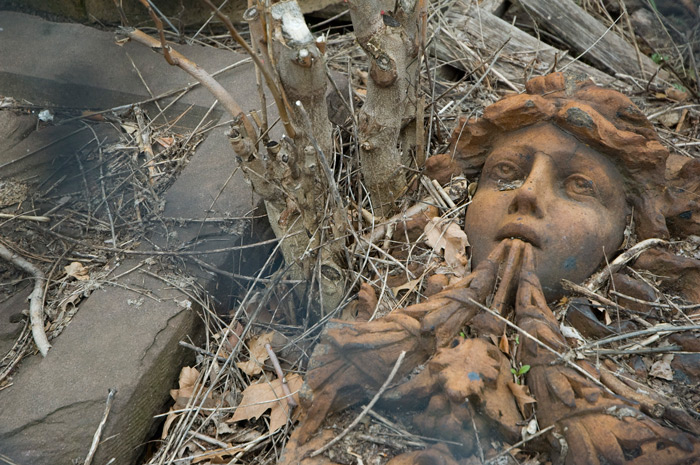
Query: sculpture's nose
[(531, 196)]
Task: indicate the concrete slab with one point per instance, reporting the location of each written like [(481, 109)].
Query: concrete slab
[(126, 333), (181, 12), (80, 67)]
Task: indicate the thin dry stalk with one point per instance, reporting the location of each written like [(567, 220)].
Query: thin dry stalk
[(100, 428), (176, 59)]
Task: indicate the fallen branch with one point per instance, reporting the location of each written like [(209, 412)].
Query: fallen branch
[(100, 427), (584, 291), (269, 79), (595, 281), (176, 59), (36, 298), (367, 408)]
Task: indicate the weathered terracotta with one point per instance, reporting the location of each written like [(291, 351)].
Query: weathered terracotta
[(562, 166), (546, 187)]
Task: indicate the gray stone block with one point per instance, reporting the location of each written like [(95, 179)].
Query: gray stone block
[(126, 334)]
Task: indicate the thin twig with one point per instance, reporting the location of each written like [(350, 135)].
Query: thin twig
[(562, 357), (191, 68), (269, 79), (664, 328), (278, 369), (365, 410), (41, 219), (573, 287), (518, 444), (595, 281), (100, 427), (36, 306)]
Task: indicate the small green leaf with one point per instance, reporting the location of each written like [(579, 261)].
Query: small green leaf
[(512, 370), (657, 58), (523, 369), (461, 333), (517, 338)]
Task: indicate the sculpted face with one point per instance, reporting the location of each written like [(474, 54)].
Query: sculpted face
[(544, 186)]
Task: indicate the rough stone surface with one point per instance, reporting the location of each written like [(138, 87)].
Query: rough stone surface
[(54, 405), (181, 12)]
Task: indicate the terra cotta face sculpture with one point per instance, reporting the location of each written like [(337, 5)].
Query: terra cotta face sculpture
[(562, 167), (544, 186)]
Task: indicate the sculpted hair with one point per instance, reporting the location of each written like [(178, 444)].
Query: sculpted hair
[(604, 119)]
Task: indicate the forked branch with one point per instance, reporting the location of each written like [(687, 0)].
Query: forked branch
[(269, 80), (176, 59)]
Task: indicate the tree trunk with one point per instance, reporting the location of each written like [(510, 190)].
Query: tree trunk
[(391, 40)]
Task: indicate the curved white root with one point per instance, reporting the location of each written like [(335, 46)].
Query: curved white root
[(36, 298)]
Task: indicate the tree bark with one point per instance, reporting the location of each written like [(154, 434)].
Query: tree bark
[(522, 56), (391, 41), (602, 47)]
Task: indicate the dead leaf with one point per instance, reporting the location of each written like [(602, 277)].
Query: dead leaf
[(571, 332), (77, 271), (407, 286), (129, 128), (662, 369), (677, 94), (504, 345), (522, 396), (233, 337), (258, 398), (217, 455), (168, 422), (187, 381), (258, 355), (447, 237), (188, 386), (366, 302), (165, 141)]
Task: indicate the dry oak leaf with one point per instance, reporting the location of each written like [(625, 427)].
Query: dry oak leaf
[(77, 271), (449, 238), (662, 369), (258, 354), (187, 381), (257, 398), (188, 385), (409, 286), (522, 396)]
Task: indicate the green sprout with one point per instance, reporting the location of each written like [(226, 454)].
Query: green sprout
[(520, 372)]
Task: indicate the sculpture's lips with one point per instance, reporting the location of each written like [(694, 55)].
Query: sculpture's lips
[(519, 231)]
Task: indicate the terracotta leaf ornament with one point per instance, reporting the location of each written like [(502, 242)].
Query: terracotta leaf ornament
[(563, 167)]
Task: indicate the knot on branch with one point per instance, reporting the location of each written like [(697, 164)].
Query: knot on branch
[(382, 70)]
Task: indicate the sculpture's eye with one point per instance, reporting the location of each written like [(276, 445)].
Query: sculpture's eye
[(506, 171), (580, 185)]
